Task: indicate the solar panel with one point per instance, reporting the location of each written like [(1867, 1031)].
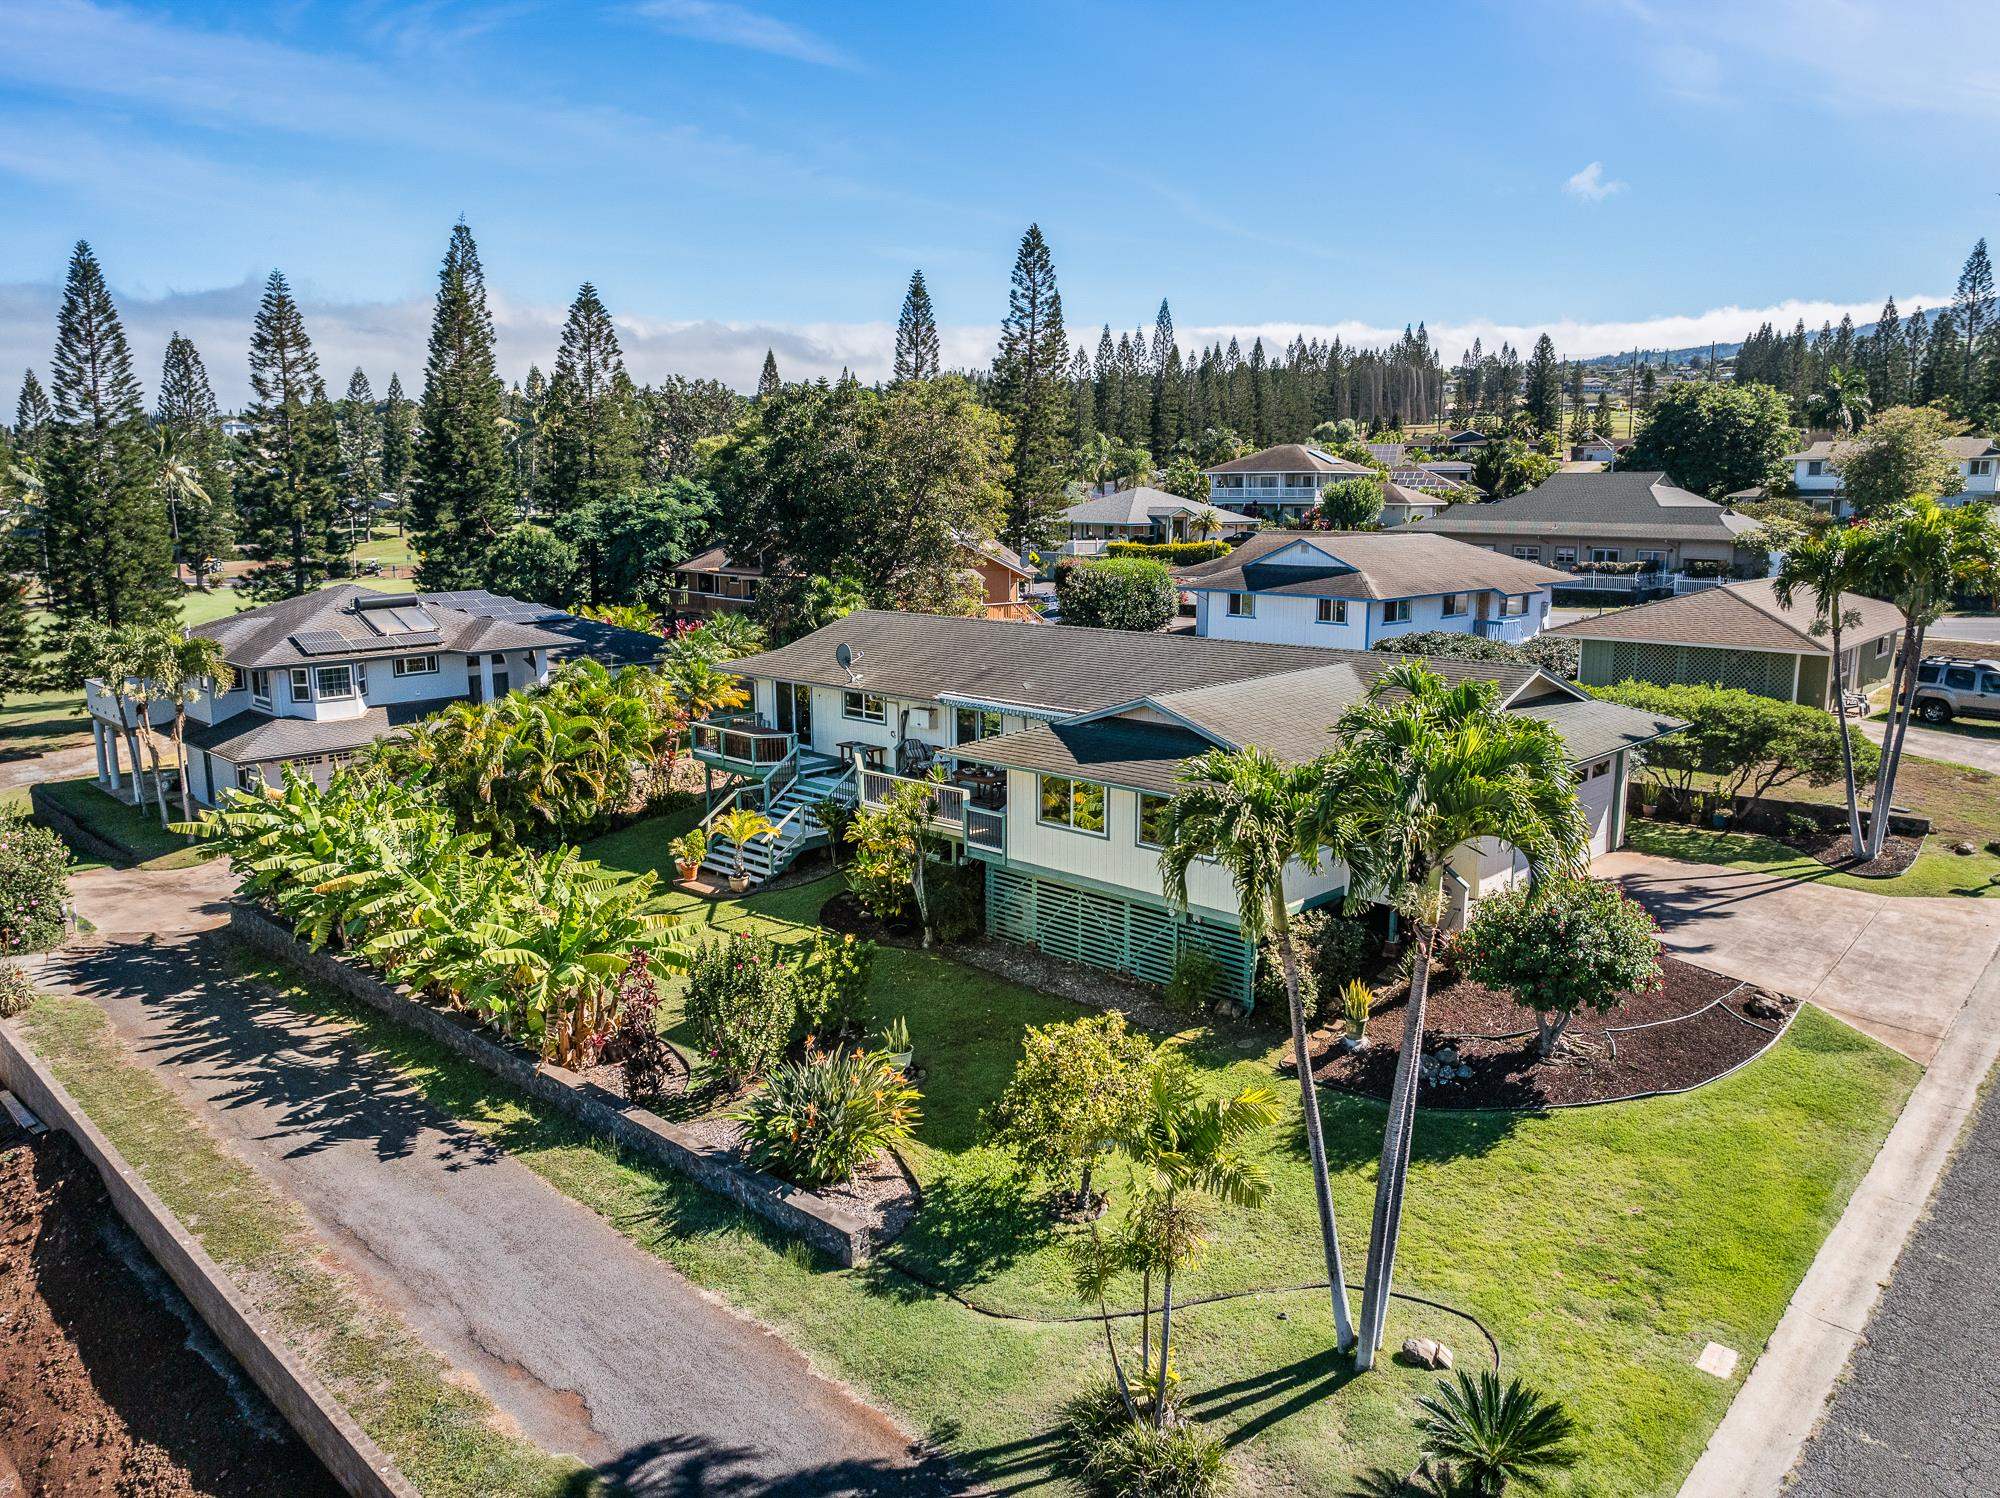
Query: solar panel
[(321, 642)]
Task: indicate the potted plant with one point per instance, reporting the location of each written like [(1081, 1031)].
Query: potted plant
[(896, 1044), (1355, 1002), (688, 850), (742, 826)]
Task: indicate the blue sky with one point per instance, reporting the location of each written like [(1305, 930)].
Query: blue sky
[(732, 175)]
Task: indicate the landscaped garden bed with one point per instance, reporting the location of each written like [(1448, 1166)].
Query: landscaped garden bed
[(1481, 1052)]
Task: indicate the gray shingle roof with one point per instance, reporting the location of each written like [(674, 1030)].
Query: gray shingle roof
[(252, 736), (1397, 563), (1138, 506), (1116, 751), (1636, 505), (1960, 448), (1591, 730), (1738, 616), (1290, 457), (336, 621)]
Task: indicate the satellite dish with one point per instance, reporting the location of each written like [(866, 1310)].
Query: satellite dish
[(846, 657)]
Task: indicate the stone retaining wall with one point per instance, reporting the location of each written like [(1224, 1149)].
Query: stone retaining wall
[(829, 1228), (44, 809), (355, 1461)]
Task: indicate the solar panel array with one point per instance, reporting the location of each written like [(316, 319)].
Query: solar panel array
[(485, 605), (322, 642)]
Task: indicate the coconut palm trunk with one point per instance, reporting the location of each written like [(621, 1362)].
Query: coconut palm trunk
[(1288, 958), (1846, 745), (1902, 705)]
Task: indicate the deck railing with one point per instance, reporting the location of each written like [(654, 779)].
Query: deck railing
[(742, 743), (951, 808)]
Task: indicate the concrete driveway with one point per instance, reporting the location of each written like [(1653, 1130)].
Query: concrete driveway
[(1898, 968), (1974, 744)]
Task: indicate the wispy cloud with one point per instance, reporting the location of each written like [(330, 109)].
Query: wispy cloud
[(1591, 185), (730, 25)]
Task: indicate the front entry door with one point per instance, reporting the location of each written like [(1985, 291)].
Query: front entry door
[(795, 709)]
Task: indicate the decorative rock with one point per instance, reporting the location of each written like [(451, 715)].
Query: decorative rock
[(1427, 1352), (1963, 850)]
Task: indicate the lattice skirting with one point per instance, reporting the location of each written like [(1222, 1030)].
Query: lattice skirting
[(1763, 672), (1121, 936)]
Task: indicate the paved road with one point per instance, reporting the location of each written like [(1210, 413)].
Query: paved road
[(1919, 1411), (1898, 967), (1965, 627), (591, 1345), (63, 764)]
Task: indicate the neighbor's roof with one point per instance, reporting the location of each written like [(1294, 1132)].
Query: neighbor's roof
[(348, 621), (1429, 480), (1394, 493), (1641, 506), (1290, 457), (1737, 616), (1138, 506), (1397, 563), (1960, 448), (247, 737), (716, 559)]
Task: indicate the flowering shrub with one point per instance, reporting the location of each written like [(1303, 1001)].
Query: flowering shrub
[(642, 1050), (818, 1120), (742, 1000), (34, 870), (832, 979), (16, 993)]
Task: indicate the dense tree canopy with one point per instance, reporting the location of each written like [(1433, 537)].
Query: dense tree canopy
[(1716, 439)]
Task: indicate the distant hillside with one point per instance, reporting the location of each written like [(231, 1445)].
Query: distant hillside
[(1684, 355)]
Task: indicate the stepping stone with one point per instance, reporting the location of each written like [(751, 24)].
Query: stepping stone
[(1717, 1360)]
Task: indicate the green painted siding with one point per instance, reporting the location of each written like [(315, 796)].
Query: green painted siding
[(1812, 680), (1605, 663), (1106, 931)]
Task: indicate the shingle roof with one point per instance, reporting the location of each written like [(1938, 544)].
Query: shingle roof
[(1638, 505), (1117, 751), (1137, 506), (1737, 616), (352, 621), (609, 645), (1290, 457), (1590, 730), (251, 736), (1960, 448), (1398, 563), (716, 559), (1394, 493)]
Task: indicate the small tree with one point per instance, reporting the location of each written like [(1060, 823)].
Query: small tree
[(1561, 948), (1351, 504), (1130, 593), (1072, 1096), (1900, 454), (893, 845)]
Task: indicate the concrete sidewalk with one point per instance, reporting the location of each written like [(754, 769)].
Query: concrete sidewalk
[(1781, 1401)]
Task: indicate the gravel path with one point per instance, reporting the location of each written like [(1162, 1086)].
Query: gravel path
[(1918, 1413)]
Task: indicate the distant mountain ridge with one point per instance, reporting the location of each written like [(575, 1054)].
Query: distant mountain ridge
[(1683, 355)]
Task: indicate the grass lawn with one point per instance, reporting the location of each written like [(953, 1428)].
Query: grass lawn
[(42, 722), (134, 827), (1938, 871), (1602, 1246), (387, 548), (445, 1436)]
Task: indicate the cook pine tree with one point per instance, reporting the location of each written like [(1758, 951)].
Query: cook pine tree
[(768, 383), (1031, 390), (109, 558), (188, 431), (588, 427), (460, 490), (917, 349), (360, 456), (396, 444), (288, 511)]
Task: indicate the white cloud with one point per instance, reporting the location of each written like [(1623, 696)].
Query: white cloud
[(737, 26), (1590, 184)]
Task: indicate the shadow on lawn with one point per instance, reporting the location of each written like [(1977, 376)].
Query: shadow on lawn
[(969, 1230), (693, 1464), (1353, 1130), (1274, 1394)]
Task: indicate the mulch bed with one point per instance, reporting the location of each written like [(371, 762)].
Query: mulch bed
[(1482, 1054), (1835, 849), (103, 1390)]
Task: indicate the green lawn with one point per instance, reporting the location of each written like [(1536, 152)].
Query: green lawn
[(1938, 871), (132, 827), (445, 1435), (41, 723), (1603, 1246)]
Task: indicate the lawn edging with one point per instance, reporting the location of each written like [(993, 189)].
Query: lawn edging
[(361, 1467), (42, 805), (803, 1213)]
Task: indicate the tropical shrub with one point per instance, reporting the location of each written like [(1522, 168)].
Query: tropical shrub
[(34, 882), (1350, 504), (1197, 974), (1072, 1096), (1173, 553), (643, 1052), (1138, 1460), (1481, 1436), (1555, 656), (1560, 947), (16, 992), (1356, 1001), (832, 978), (742, 1001), (1129, 593), (818, 1120), (1337, 948), (894, 865), (1267, 983), (955, 899)]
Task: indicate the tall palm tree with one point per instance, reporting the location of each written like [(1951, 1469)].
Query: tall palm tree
[(1490, 1436), (1255, 816), (1841, 403), (153, 649), (1426, 766), (180, 484), (197, 666), (1915, 554), (1825, 565)]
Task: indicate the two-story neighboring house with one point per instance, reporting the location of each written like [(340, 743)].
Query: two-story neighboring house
[(1349, 589), (1816, 472), (1581, 519), (320, 677), (1062, 746), (1279, 485), (712, 582)]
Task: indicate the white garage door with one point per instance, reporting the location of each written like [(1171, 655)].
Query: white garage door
[(1596, 790)]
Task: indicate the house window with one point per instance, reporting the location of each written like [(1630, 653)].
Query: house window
[(1979, 467), (260, 688), (864, 707), (1333, 611), (1454, 605), (973, 724), (1604, 553), (1657, 558), (1881, 647), (1600, 768), (1242, 605), (1396, 611), (334, 682), (415, 665), (301, 684), (1075, 804), (1815, 468), (1152, 809), (1514, 607), (1528, 553), (1565, 556)]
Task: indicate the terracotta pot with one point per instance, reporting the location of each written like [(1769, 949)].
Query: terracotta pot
[(738, 883), (687, 871)]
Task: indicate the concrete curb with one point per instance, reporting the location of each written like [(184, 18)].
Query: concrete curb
[(831, 1229), (1781, 1401), (355, 1461)]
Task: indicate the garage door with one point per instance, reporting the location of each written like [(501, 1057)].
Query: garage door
[(1596, 790)]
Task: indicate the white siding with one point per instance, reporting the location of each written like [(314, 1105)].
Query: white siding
[(1282, 620)]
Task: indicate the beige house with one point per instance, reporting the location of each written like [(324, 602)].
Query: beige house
[(1738, 635), (1574, 521)]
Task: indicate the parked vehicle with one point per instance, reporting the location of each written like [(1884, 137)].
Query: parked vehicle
[(1948, 689)]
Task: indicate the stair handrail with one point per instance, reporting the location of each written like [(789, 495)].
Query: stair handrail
[(782, 775), (720, 807)]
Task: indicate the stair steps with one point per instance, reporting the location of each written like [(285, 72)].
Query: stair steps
[(766, 858)]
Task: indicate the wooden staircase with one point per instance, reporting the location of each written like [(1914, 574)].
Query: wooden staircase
[(790, 806)]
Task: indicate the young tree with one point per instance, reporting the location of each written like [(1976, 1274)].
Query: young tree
[(1073, 1096), (1351, 504), (396, 445), (1561, 948), (109, 556), (1031, 390), (1184, 477), (1424, 767), (917, 352), (459, 498), (1715, 439), (1901, 453), (360, 452), (1826, 565), (589, 429), (288, 500), (202, 515), (1509, 466), (531, 561), (768, 383), (1255, 817), (1129, 593), (33, 418)]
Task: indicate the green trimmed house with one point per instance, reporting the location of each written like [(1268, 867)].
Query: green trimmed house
[(1738, 635), (1060, 747)]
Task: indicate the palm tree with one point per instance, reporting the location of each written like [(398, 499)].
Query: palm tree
[(1841, 403), (1489, 1436), (1826, 564), (180, 484), (743, 826), (196, 667), (1426, 766), (1915, 554), (1255, 816), (153, 649), (1207, 525)]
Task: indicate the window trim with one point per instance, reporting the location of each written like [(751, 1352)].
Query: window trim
[(252, 677), (1140, 798), (1514, 606), (979, 717), (1248, 602), (1072, 781), (1331, 611), (1528, 554), (319, 675), (1395, 611), (851, 695), (1603, 555), (1464, 602), (428, 665), (301, 683), (1882, 646)]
